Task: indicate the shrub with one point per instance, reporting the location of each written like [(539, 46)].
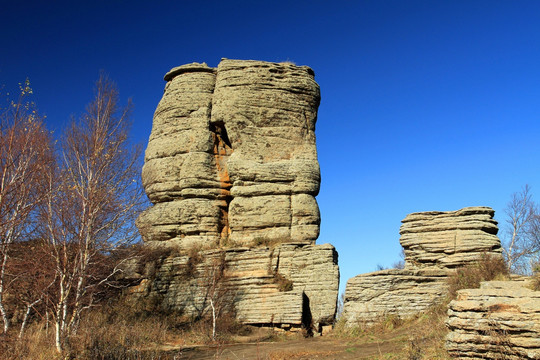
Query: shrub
[(535, 282), (282, 282), (469, 277)]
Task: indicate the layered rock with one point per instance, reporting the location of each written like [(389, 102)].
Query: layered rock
[(231, 165), (501, 320), (373, 296), (449, 239), (232, 156), (434, 243), (291, 285)]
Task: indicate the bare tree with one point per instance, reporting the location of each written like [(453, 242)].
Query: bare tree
[(25, 156), (93, 201), (522, 236)]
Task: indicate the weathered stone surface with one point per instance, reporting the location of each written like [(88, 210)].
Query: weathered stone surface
[(371, 297), (501, 320), (232, 162), (239, 141), (250, 284), (449, 239), (434, 243)]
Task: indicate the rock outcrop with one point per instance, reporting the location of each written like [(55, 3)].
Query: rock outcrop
[(501, 320), (231, 169), (403, 292), (434, 243), (449, 239), (232, 156), (289, 286)]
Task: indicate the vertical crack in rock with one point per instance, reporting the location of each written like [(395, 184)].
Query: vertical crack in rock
[(222, 150)]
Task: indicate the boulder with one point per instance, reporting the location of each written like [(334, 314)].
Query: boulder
[(231, 170), (400, 292)]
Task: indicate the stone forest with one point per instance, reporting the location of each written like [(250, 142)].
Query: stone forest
[(231, 170)]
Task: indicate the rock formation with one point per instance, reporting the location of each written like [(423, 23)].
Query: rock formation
[(232, 156), (434, 242), (289, 286), (403, 292), (449, 239), (231, 169), (501, 320)]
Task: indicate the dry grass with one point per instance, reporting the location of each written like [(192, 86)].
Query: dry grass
[(535, 279), (282, 282), (117, 332), (423, 336), (469, 277), (304, 354)]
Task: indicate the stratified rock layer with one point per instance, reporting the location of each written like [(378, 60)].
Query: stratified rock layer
[(434, 243), (370, 297), (291, 285), (232, 156), (449, 239), (231, 165), (501, 320)]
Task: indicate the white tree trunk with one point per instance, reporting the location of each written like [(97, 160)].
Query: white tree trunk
[(3, 311), (26, 315), (213, 319)]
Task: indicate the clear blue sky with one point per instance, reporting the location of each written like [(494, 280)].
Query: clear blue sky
[(426, 105)]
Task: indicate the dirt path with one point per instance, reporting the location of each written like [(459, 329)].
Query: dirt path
[(311, 348)]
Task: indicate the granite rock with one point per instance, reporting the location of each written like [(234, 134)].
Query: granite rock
[(231, 169), (402, 292)]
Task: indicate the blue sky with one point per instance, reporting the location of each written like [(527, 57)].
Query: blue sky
[(426, 105)]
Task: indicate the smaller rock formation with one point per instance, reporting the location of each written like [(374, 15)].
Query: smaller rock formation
[(501, 320), (370, 297), (434, 243), (449, 239)]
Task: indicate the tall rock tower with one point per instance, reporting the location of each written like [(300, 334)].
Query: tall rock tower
[(232, 156), (231, 169)]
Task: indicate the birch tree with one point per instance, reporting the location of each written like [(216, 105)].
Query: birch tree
[(94, 197), (521, 240), (25, 157)]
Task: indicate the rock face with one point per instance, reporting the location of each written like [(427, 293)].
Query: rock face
[(501, 320), (232, 156), (434, 243), (449, 239), (231, 165), (289, 286), (371, 297)]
